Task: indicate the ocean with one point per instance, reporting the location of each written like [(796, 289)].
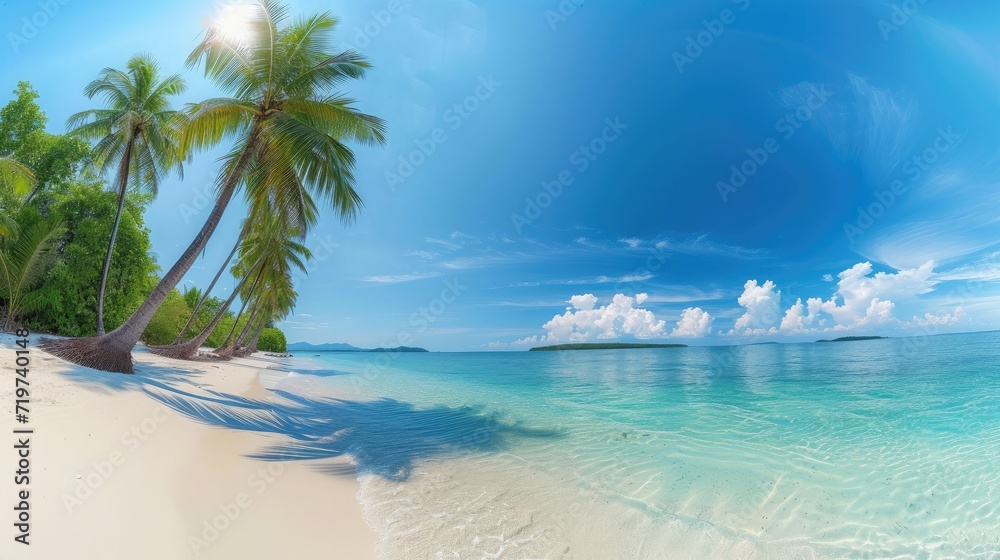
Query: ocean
[(869, 449)]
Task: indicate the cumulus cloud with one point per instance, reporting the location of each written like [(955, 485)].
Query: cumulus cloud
[(584, 320), (762, 304), (930, 319), (802, 318), (858, 290), (694, 323)]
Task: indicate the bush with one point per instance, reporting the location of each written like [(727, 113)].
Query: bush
[(168, 320), (272, 340), (66, 303)]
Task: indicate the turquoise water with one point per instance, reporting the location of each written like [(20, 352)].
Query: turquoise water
[(872, 449)]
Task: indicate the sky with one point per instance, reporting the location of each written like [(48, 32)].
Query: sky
[(712, 172)]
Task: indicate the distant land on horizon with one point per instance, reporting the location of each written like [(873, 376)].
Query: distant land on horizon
[(603, 346), (343, 347), (853, 338)]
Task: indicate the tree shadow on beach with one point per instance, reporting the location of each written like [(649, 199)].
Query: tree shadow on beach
[(146, 375), (384, 437)]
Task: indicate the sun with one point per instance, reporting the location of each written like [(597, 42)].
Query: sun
[(233, 23)]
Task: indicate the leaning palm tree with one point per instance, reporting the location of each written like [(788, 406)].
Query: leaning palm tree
[(133, 136), (289, 127), (276, 304), (298, 212), (269, 251)]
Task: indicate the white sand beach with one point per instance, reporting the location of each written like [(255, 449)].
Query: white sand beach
[(117, 475)]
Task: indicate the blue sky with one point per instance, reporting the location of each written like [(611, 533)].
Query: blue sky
[(715, 163)]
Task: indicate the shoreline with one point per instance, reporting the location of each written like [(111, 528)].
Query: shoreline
[(114, 472)]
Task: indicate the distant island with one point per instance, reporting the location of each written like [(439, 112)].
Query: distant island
[(341, 347), (853, 338), (603, 346)]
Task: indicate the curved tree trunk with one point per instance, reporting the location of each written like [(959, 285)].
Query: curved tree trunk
[(228, 350), (187, 350), (204, 296), (252, 347), (243, 307), (122, 182), (113, 351)]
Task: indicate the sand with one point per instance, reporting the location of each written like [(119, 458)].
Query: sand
[(117, 475)]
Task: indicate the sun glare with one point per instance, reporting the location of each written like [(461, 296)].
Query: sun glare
[(233, 23)]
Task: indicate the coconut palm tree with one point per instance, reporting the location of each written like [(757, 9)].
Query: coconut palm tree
[(269, 251), (132, 135), (299, 212), (289, 127)]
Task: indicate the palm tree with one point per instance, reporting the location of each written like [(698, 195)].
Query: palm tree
[(277, 303), (299, 213), (269, 251), (24, 262), (132, 135), (289, 129)]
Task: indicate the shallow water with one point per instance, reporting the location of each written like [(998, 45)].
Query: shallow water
[(873, 449)]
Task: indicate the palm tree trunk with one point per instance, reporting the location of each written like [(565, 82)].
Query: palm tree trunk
[(188, 349), (122, 182), (228, 350), (256, 337), (204, 296), (113, 351), (254, 315), (252, 346), (243, 307)]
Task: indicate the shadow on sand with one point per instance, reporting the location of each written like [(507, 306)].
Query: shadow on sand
[(384, 437)]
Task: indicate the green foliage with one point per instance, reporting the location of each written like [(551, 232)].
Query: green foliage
[(66, 303), (168, 321), (53, 159), (19, 118), (24, 262), (272, 340)]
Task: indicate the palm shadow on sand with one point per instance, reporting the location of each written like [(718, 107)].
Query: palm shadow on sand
[(384, 437)]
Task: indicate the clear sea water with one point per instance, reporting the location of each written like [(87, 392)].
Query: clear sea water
[(871, 449)]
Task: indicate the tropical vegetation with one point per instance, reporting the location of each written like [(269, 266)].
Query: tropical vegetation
[(287, 129)]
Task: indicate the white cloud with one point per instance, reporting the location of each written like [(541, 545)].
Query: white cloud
[(828, 278), (944, 320), (398, 278), (694, 323), (585, 321), (632, 242), (801, 318), (858, 291), (762, 304), (628, 278), (443, 243)]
